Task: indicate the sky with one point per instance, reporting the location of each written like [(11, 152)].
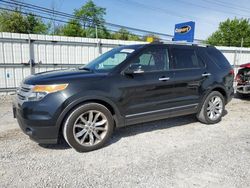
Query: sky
[(161, 15)]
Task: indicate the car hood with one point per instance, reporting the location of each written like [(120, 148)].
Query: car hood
[(59, 76), (247, 65)]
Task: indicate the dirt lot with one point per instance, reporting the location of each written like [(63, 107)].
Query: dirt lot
[(178, 152)]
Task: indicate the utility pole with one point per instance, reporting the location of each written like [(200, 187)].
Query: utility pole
[(242, 42), (96, 32), (53, 16), (241, 48)]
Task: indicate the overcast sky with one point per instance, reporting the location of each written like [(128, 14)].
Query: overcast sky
[(162, 15)]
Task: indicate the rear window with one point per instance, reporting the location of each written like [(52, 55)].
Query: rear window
[(218, 58), (184, 58)]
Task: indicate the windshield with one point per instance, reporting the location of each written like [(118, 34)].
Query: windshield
[(109, 60)]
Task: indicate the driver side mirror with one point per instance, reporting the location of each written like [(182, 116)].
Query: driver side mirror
[(134, 69)]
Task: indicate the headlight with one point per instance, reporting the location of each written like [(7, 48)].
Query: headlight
[(40, 91)]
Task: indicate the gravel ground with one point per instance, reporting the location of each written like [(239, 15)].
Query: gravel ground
[(178, 152)]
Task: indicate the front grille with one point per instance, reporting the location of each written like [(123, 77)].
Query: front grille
[(24, 91), (21, 97)]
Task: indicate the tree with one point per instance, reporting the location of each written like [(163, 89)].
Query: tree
[(35, 25), (124, 34), (101, 33), (12, 22), (73, 28), (87, 18), (15, 22), (90, 15), (231, 32)]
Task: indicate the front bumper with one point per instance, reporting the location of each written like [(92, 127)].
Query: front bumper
[(38, 126), (244, 89)]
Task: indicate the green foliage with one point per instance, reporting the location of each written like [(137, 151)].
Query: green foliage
[(73, 29), (15, 22), (87, 19), (35, 25), (231, 32), (124, 34), (90, 15), (101, 33), (12, 22)]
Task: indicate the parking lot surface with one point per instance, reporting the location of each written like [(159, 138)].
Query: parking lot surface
[(177, 152)]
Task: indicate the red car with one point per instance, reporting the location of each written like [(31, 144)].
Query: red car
[(243, 80)]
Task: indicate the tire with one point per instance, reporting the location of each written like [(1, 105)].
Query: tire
[(85, 132), (207, 111), (241, 95)]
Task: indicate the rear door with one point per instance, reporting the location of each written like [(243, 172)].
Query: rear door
[(190, 73)]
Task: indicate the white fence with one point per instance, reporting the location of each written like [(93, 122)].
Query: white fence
[(56, 52), (47, 53)]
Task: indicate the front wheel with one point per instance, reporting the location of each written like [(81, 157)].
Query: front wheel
[(212, 108), (88, 127)]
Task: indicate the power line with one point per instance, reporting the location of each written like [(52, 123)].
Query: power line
[(165, 11), (31, 6), (228, 5), (47, 11), (205, 7), (62, 21)]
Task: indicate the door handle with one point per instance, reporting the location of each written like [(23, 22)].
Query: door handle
[(206, 74), (164, 78)]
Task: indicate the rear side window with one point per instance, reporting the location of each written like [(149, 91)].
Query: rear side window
[(217, 57), (186, 58)]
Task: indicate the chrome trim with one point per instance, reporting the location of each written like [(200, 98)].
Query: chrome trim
[(162, 110), (206, 74), (23, 92), (139, 71), (164, 79)]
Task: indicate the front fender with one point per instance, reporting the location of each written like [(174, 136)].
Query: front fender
[(88, 96)]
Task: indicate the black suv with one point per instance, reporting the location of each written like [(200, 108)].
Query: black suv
[(127, 85)]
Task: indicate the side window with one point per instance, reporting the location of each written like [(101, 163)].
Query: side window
[(153, 59), (147, 59), (184, 58), (112, 61), (218, 58)]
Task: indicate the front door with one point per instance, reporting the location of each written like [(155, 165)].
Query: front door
[(149, 90)]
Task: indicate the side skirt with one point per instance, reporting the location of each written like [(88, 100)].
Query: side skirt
[(160, 114)]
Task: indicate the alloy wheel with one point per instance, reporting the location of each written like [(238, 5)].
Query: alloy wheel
[(90, 128), (215, 108)]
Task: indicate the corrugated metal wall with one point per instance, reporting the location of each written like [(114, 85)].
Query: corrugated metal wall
[(47, 52), (58, 52)]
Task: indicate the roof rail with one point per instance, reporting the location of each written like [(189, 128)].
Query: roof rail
[(181, 43)]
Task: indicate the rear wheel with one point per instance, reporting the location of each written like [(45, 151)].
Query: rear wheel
[(212, 108), (88, 127)]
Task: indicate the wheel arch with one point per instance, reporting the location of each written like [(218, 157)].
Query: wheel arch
[(222, 91), (119, 121), (218, 88)]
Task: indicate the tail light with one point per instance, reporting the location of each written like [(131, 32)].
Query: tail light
[(238, 78), (231, 72)]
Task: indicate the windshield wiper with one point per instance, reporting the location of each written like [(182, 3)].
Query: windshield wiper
[(85, 68)]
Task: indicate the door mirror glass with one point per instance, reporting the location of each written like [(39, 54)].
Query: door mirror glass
[(134, 69)]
